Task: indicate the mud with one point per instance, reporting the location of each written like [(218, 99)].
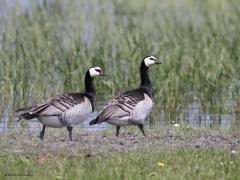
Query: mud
[(95, 144)]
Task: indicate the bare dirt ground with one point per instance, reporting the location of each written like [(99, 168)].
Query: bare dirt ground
[(94, 144)]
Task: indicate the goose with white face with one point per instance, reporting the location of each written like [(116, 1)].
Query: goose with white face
[(96, 71), (150, 60)]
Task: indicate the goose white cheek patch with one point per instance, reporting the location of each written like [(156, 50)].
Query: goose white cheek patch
[(149, 62), (93, 72)]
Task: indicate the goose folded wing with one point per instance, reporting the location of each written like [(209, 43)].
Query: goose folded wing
[(121, 106), (55, 106)]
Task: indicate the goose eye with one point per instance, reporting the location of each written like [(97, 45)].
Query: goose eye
[(152, 59), (98, 70)]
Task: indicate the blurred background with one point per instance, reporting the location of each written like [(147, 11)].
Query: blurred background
[(46, 46)]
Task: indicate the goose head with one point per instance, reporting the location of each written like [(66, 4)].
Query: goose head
[(96, 71), (150, 60)]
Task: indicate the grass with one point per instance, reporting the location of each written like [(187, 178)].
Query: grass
[(167, 154), (47, 47), (180, 164)]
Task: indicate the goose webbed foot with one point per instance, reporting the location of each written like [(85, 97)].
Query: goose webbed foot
[(142, 129), (117, 131), (42, 133), (70, 132)]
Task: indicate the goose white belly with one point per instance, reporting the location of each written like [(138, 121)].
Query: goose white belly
[(142, 110), (51, 121), (119, 121), (71, 117), (138, 114), (78, 113)]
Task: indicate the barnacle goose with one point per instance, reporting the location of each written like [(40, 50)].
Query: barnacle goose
[(131, 107), (66, 110)]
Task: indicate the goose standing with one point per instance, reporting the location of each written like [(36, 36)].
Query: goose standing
[(66, 110), (131, 107)]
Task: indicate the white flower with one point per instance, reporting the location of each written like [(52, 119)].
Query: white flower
[(231, 162), (176, 125), (221, 163), (233, 152), (173, 121)]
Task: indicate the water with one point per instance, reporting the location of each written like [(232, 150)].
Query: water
[(34, 125), (193, 116)]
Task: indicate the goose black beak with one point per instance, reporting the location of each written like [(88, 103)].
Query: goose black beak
[(158, 62)]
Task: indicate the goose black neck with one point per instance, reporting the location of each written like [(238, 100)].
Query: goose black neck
[(89, 87), (145, 80)]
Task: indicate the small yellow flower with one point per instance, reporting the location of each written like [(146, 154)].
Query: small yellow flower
[(161, 164)]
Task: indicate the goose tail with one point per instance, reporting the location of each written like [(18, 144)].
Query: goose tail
[(25, 113), (94, 121)]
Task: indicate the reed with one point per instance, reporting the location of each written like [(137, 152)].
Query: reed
[(46, 47)]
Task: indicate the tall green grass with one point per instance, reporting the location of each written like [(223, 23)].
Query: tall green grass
[(46, 48)]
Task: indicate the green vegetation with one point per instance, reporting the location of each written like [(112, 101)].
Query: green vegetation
[(179, 164), (173, 153), (46, 48)]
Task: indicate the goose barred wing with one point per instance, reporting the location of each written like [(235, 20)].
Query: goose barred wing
[(121, 106), (54, 106)]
